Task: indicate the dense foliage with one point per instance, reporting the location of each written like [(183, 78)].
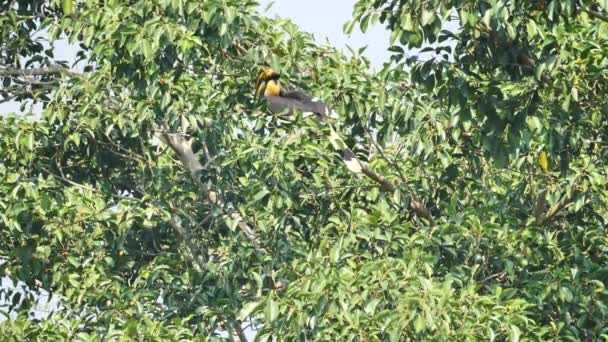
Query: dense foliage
[(156, 197)]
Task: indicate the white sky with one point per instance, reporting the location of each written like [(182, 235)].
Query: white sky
[(328, 23)]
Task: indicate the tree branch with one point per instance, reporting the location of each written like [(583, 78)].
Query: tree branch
[(237, 333), (391, 162), (50, 70), (182, 146), (354, 165), (418, 207), (34, 16), (183, 150), (539, 208), (33, 82), (596, 14), (541, 217), (554, 210), (198, 254)]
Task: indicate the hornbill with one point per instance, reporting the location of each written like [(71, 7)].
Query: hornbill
[(287, 102)]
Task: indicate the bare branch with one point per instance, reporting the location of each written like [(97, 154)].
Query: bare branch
[(14, 92), (183, 150), (69, 181), (418, 207), (237, 333), (385, 184), (50, 70), (33, 82), (421, 210), (25, 17)]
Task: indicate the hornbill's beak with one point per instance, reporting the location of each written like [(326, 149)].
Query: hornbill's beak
[(260, 86), (266, 74)]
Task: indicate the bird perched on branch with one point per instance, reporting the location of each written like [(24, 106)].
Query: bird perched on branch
[(286, 102)]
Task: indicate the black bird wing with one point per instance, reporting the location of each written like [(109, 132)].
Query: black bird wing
[(290, 101)]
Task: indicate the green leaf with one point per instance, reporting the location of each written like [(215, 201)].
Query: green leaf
[(396, 34), (67, 6), (147, 49), (337, 250), (539, 71), (515, 333), (247, 310), (566, 294), (407, 23), (427, 18), (419, 323), (260, 194), (511, 31), (534, 124), (531, 29), (574, 94), (272, 310), (223, 29)]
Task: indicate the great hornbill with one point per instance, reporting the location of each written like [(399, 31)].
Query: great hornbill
[(287, 102)]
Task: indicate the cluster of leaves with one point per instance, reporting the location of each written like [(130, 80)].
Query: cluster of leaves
[(518, 81), (98, 211)]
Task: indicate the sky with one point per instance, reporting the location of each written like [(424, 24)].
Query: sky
[(325, 25), (328, 24)]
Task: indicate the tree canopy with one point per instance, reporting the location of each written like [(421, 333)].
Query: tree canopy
[(158, 199)]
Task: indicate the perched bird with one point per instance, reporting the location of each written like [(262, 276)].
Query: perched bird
[(287, 102)]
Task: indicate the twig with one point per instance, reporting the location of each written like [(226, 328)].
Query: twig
[(496, 275), (71, 182), (553, 211), (391, 162)]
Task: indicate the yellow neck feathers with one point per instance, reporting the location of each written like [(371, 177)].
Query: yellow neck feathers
[(268, 83), (273, 88)]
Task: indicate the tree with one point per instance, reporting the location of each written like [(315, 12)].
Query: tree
[(160, 201)]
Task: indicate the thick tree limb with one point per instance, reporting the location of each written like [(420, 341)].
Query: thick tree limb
[(182, 147), (237, 333), (385, 184), (25, 17), (421, 210), (50, 70), (418, 207)]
